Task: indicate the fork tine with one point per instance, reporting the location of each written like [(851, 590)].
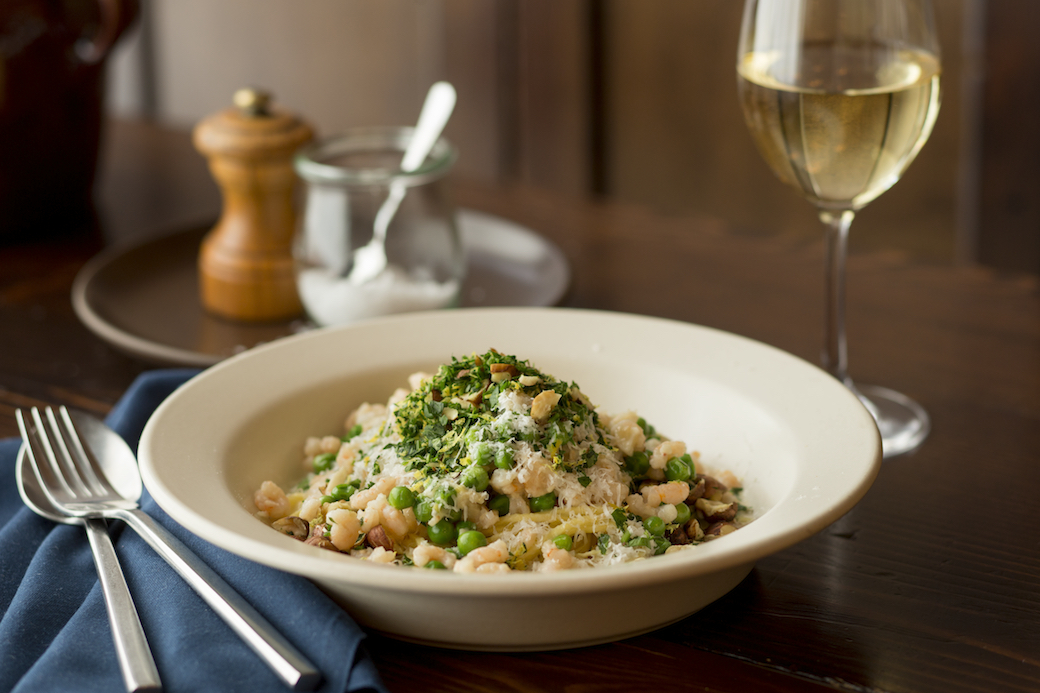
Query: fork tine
[(46, 459), (59, 447), (52, 483), (83, 460)]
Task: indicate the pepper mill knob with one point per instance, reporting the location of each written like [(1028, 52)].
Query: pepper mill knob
[(252, 101), (245, 261)]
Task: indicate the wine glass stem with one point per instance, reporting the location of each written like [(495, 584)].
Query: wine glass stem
[(835, 356)]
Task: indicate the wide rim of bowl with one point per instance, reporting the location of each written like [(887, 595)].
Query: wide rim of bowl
[(797, 516)]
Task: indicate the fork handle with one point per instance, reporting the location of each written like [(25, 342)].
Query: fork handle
[(135, 658), (279, 654)]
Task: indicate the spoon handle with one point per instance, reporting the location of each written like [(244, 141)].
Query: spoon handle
[(135, 658), (437, 108), (279, 654)]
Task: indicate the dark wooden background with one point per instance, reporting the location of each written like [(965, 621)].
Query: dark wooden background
[(636, 101), (632, 100)]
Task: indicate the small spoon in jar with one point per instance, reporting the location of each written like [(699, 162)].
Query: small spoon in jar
[(370, 259)]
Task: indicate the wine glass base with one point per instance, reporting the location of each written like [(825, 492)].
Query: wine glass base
[(903, 423)]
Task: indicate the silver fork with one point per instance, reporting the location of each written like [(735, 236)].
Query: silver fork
[(135, 658), (74, 481)]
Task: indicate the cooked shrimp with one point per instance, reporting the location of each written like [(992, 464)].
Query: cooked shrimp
[(372, 516), (361, 499), (399, 523), (536, 475), (673, 492), (557, 559), (344, 528), (627, 432), (504, 481), (271, 499), (424, 553), (381, 555), (495, 552), (310, 508), (666, 451)]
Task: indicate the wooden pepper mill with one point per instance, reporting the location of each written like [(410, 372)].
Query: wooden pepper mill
[(245, 262)]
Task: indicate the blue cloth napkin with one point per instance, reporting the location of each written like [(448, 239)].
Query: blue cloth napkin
[(54, 631)]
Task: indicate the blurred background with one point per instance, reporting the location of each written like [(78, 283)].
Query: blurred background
[(632, 100)]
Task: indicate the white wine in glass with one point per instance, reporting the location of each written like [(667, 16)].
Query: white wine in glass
[(840, 96)]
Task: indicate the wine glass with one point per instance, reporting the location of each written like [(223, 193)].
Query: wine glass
[(840, 96)]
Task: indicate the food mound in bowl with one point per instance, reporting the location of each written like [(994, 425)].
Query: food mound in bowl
[(492, 466)]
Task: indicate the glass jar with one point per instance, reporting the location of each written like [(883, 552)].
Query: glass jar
[(349, 179)]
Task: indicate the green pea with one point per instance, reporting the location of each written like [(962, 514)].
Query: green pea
[(442, 532), (649, 430), (424, 511), (465, 525), (504, 458), (354, 432), (401, 497), (323, 462), (435, 565), (676, 469), (637, 464), (499, 504), (654, 525), (563, 541), (682, 513), (475, 477), (342, 492), (542, 503), (482, 454), (689, 461), (446, 499), (471, 539)]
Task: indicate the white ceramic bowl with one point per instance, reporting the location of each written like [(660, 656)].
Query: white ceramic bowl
[(803, 445)]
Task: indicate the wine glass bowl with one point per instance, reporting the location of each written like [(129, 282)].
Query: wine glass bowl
[(839, 97)]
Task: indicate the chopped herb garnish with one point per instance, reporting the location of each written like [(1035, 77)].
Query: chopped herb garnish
[(436, 430)]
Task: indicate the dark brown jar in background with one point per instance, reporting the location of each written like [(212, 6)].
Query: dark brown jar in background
[(52, 55)]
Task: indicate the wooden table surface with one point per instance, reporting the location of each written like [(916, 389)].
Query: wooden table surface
[(930, 584)]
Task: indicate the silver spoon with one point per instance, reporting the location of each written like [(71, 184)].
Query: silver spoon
[(135, 658), (370, 259)]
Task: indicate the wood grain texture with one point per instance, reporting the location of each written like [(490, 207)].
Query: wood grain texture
[(927, 586)]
